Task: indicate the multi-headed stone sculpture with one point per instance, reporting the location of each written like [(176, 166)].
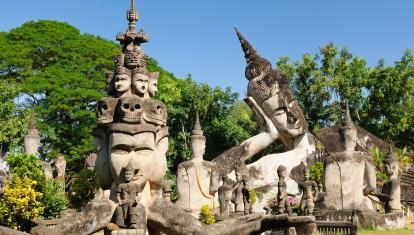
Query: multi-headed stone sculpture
[(131, 124)]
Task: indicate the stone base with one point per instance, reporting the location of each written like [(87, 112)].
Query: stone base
[(129, 232), (365, 218)]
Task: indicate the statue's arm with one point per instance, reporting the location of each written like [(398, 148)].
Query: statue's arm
[(260, 141), (182, 180), (214, 179)]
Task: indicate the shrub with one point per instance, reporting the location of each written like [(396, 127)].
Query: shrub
[(253, 196), (54, 200), (20, 203), (82, 188), (26, 165), (378, 156), (206, 216), (316, 172)]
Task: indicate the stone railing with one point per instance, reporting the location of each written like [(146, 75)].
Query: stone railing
[(336, 227)]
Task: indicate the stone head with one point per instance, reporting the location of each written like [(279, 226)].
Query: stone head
[(155, 112), (153, 84), (105, 110), (271, 90), (391, 165), (122, 81), (306, 173), (281, 172), (245, 180), (130, 109), (129, 172), (198, 146), (140, 81)]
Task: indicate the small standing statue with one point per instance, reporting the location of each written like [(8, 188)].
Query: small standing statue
[(283, 204), (391, 191), (224, 194), (246, 195), (307, 202), (237, 197), (130, 212)]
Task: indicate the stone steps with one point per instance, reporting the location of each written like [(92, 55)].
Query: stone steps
[(407, 178)]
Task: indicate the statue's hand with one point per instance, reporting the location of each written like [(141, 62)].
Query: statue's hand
[(263, 120)]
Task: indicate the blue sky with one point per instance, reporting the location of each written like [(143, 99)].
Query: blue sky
[(197, 37)]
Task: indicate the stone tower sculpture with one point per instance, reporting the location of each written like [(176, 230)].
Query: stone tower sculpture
[(197, 179), (131, 125), (32, 138)]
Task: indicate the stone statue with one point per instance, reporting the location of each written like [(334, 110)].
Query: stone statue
[(391, 191), (32, 138), (349, 174), (90, 161), (237, 196), (197, 179), (130, 212), (307, 204), (283, 205), (224, 194), (278, 113), (131, 126), (246, 196), (153, 84), (60, 167)]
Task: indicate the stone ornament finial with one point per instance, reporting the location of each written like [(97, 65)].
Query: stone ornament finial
[(348, 120), (255, 64), (32, 124), (197, 131)]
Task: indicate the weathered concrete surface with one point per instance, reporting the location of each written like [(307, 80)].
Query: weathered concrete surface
[(94, 217), (9, 231)]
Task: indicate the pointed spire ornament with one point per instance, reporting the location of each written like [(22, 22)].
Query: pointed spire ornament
[(348, 120), (249, 52), (32, 124), (255, 64), (197, 131)]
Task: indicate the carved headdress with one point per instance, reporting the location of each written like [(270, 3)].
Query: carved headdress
[(197, 132), (264, 82)]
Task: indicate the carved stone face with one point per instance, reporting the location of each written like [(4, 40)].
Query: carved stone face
[(129, 175), (105, 109), (153, 87), (131, 59), (348, 138), (130, 109), (198, 146), (140, 82), (155, 112), (282, 173), (122, 83), (283, 117)]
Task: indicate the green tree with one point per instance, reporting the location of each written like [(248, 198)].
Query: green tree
[(381, 99), (13, 120), (61, 71)]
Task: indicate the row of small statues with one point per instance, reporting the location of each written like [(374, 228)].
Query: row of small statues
[(238, 193)]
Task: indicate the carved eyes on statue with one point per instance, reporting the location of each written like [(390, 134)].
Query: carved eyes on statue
[(133, 107), (280, 111)]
